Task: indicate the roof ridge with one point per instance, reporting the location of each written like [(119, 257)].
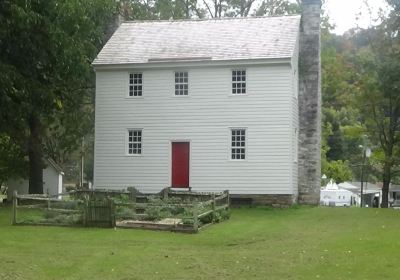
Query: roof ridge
[(208, 19)]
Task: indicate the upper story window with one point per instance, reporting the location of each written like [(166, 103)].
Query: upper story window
[(239, 81), (181, 83), (135, 142), (135, 84), (238, 145)]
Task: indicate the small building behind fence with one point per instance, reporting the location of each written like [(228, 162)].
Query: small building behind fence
[(52, 181)]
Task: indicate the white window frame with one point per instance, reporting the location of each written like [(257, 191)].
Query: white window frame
[(235, 82), (132, 85), (127, 142), (231, 129), (180, 83)]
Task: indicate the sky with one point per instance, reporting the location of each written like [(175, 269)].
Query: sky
[(344, 13)]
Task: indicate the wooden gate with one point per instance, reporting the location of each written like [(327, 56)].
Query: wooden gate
[(100, 213)]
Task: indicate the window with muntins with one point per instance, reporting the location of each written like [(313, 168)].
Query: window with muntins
[(181, 83), (134, 142), (135, 84), (238, 145), (238, 81)]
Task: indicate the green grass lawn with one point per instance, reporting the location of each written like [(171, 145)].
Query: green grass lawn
[(257, 243)]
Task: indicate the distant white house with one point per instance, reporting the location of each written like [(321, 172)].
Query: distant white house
[(372, 194), (332, 195), (394, 195), (52, 181)]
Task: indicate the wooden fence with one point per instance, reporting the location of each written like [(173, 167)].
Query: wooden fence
[(107, 209), (46, 210), (202, 206)]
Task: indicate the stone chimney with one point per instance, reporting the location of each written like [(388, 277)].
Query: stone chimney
[(310, 103)]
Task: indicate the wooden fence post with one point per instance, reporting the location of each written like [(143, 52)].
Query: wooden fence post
[(166, 191), (111, 209), (15, 204), (213, 204), (85, 211)]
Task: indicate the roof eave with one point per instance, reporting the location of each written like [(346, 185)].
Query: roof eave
[(192, 63)]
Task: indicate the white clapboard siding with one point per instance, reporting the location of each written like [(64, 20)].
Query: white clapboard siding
[(295, 117), (204, 118)]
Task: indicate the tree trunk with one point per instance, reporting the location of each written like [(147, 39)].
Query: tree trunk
[(386, 182), (35, 156)]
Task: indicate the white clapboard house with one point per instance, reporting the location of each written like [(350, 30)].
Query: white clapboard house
[(202, 104)]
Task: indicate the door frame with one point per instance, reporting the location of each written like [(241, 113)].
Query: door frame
[(170, 161)]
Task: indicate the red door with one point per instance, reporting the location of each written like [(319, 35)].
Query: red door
[(180, 164)]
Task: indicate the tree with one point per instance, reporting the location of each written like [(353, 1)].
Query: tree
[(337, 170), (244, 8), (278, 7), (380, 99), (160, 9), (342, 126), (46, 48)]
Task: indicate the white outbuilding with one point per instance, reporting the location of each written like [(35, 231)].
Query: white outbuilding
[(52, 181), (332, 195)]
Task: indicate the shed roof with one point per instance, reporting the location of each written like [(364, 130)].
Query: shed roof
[(200, 40), (394, 187), (355, 187), (55, 165)]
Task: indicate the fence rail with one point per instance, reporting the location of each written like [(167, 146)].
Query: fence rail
[(46, 210)]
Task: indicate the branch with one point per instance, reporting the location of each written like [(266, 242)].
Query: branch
[(248, 7), (208, 8)]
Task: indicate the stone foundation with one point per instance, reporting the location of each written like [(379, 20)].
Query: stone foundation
[(274, 200)]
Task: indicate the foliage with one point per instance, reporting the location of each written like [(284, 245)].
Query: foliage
[(221, 216), (170, 207), (185, 9), (46, 48), (378, 63), (124, 212), (12, 160), (160, 9), (342, 127), (61, 218), (278, 7), (337, 170)]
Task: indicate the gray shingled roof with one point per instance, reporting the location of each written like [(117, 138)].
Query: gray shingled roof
[(215, 39)]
